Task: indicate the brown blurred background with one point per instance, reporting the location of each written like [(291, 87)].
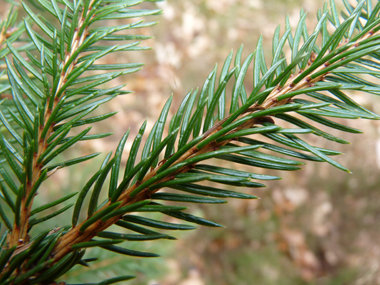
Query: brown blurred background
[(315, 226)]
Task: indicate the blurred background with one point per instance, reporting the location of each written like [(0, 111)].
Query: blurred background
[(315, 226)]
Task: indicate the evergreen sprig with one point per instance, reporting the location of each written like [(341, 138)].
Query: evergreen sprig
[(53, 93)]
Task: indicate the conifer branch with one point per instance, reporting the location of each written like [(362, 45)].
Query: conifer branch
[(20, 229), (51, 96), (75, 235)]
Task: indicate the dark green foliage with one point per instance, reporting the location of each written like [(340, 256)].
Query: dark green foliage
[(48, 91)]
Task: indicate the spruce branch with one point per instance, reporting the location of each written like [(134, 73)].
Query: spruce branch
[(48, 105), (46, 109), (20, 228), (250, 116)]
